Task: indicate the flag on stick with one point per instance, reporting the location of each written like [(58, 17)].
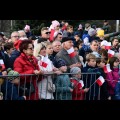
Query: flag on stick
[(106, 68), (100, 81), (110, 53)]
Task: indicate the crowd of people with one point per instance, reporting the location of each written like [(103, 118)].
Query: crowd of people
[(60, 64)]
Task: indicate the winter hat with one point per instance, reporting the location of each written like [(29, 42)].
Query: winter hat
[(55, 23), (27, 27), (104, 42), (12, 72), (100, 33), (75, 70), (91, 32), (64, 39), (87, 26), (80, 27), (60, 62)]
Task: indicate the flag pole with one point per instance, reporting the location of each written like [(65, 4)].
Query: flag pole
[(92, 85)]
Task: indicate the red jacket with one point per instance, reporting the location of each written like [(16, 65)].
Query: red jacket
[(24, 66), (78, 93)]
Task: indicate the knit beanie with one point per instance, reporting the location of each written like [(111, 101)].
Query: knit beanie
[(91, 32), (100, 33), (12, 74), (75, 70)]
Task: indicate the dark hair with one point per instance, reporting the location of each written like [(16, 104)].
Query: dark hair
[(24, 45), (104, 53), (111, 62), (99, 60), (8, 46)]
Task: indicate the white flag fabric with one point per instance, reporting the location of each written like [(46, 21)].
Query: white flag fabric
[(81, 83), (110, 53), (108, 45), (2, 64), (100, 81), (106, 68)]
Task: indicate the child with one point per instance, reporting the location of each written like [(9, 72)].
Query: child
[(9, 87), (91, 76), (104, 95), (78, 91), (113, 76), (64, 87)]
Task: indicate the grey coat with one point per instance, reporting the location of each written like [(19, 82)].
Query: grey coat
[(65, 56)]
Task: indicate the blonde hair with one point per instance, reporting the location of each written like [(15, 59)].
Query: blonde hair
[(90, 56)]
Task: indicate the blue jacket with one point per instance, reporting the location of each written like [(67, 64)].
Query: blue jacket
[(14, 55), (10, 91), (63, 86)]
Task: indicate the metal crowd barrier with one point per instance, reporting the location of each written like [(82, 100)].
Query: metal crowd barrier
[(50, 87)]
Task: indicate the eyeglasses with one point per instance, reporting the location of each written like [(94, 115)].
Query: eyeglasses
[(47, 32), (31, 48), (16, 36)]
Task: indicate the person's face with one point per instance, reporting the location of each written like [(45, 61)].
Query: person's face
[(10, 51), (63, 68), (43, 52), (14, 37), (29, 50), (49, 49), (116, 63), (59, 37), (70, 30), (76, 50), (102, 64), (56, 46), (92, 62), (78, 75), (115, 42), (94, 46), (68, 44), (45, 34)]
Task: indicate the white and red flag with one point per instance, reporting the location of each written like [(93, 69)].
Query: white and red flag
[(106, 68), (110, 53), (43, 62), (100, 81), (71, 52), (108, 45), (81, 84), (2, 64)]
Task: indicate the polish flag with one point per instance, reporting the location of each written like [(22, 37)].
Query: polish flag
[(2, 64), (43, 62), (81, 84), (110, 53), (100, 80), (108, 46), (106, 68), (71, 52)]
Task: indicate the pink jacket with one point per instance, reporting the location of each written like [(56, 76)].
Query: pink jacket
[(112, 78)]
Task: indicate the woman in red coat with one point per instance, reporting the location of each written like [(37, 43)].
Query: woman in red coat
[(26, 63)]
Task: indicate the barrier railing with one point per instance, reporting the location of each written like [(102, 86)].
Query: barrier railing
[(50, 86)]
